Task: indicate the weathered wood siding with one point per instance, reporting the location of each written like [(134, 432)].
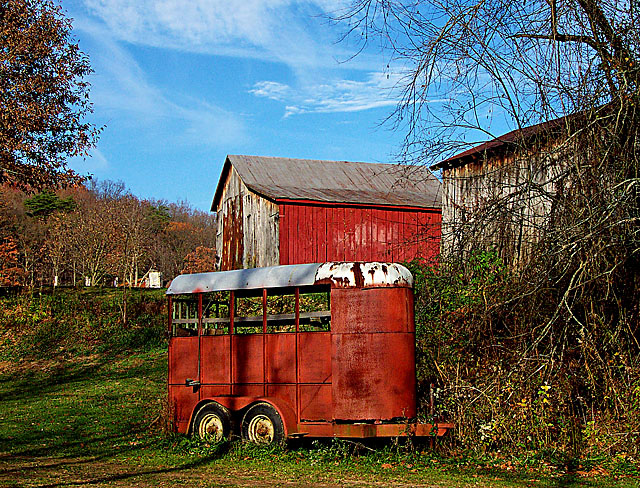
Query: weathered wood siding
[(247, 232), (229, 240), (322, 232), (261, 245), (503, 202)]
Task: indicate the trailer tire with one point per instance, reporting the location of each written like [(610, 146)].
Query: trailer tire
[(262, 424), (213, 421)]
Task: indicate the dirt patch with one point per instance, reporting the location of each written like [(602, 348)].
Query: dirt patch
[(68, 472), (46, 365)]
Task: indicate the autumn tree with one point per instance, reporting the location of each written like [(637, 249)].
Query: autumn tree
[(44, 95), (58, 245), (201, 260), (97, 233), (28, 233), (179, 231), (11, 273), (94, 239), (44, 211), (133, 234)]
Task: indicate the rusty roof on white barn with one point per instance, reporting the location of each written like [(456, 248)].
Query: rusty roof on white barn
[(334, 181), (511, 141)]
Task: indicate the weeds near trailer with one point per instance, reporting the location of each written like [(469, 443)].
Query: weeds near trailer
[(196, 446), (514, 377)]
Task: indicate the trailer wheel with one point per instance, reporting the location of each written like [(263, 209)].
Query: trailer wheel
[(262, 424), (213, 421)]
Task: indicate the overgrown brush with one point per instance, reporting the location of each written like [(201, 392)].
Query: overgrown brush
[(70, 322), (513, 374)]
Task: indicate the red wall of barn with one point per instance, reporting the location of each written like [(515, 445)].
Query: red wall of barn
[(315, 233)]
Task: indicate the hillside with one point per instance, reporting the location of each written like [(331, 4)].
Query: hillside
[(82, 401)]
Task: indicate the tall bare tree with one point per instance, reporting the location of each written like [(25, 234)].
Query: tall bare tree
[(470, 71)]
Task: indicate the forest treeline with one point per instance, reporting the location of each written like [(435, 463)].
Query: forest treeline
[(99, 234)]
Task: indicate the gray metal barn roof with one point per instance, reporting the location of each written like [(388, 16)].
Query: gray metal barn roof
[(506, 142), (334, 181)]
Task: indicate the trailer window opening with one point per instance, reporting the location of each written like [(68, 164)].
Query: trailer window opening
[(184, 316), (314, 312), (247, 315), (281, 312), (315, 309), (215, 313)]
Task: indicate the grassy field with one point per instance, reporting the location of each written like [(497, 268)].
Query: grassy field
[(98, 419)]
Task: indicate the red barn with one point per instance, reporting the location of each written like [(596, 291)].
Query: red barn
[(290, 211)]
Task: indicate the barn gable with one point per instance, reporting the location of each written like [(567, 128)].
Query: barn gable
[(287, 211)]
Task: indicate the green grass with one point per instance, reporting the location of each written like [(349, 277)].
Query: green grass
[(72, 322), (110, 411), (90, 407), (82, 400)]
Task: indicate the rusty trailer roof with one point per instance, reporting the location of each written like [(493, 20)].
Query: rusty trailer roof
[(337, 274), (334, 181)]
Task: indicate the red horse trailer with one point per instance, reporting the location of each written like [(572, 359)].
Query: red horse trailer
[(316, 350)]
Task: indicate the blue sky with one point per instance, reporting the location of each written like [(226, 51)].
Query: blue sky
[(180, 84)]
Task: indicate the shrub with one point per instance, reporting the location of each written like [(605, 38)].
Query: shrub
[(516, 376)]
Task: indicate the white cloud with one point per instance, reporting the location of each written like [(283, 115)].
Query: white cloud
[(337, 95), (295, 33), (272, 89), (206, 124), (288, 31)]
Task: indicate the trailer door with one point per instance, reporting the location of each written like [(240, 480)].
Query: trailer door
[(184, 358)]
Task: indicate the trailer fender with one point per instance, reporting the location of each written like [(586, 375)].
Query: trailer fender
[(237, 403), (286, 412), (196, 410)]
